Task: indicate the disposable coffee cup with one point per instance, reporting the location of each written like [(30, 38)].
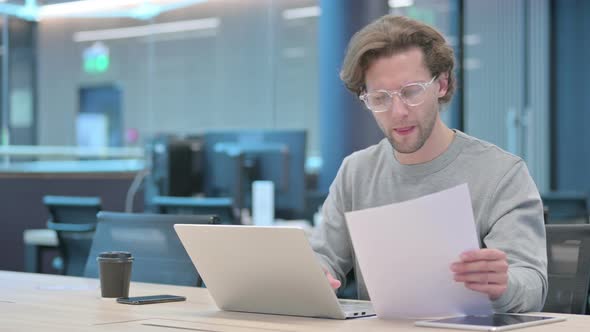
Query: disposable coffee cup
[(115, 273)]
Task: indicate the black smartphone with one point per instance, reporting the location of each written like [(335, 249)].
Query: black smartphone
[(150, 299)]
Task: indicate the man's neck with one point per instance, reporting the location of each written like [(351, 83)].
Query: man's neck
[(439, 141)]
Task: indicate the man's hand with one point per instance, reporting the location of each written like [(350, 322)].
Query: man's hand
[(483, 270), (335, 283)]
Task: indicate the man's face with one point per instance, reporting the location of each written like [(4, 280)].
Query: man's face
[(408, 128)]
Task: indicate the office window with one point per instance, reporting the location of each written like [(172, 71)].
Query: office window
[(505, 72), (507, 78)]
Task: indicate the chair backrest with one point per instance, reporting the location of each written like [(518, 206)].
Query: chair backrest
[(313, 201), (74, 220), (566, 207), (546, 214), (159, 256), (568, 253), (223, 207)]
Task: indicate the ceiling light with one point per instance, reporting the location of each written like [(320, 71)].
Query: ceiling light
[(93, 8), (303, 12), (84, 7), (147, 30), (400, 3)]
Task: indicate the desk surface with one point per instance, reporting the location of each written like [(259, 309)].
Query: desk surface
[(37, 302)]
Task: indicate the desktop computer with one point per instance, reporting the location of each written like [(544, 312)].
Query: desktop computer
[(235, 159), (175, 166)]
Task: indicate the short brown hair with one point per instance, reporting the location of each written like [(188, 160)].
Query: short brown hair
[(390, 35)]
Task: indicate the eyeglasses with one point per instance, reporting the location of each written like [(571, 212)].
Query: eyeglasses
[(412, 94)]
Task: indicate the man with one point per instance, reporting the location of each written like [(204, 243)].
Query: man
[(403, 71)]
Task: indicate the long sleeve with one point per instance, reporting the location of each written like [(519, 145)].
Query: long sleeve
[(517, 228), (330, 240)]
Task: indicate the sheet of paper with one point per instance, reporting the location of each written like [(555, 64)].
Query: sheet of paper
[(405, 250)]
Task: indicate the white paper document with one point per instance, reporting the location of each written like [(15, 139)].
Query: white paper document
[(405, 251)]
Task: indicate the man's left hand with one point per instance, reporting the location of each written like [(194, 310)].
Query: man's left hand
[(483, 270)]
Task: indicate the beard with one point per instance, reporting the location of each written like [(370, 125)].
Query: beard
[(414, 141)]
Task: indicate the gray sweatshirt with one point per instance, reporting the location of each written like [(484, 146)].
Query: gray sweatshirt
[(506, 205)]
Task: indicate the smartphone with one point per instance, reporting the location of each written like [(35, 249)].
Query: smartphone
[(150, 299)]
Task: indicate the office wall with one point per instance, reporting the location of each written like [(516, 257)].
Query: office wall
[(256, 70), (572, 100), (21, 203)]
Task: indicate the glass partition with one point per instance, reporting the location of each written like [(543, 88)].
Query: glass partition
[(113, 74)]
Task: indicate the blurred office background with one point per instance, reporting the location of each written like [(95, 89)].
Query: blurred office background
[(119, 99)]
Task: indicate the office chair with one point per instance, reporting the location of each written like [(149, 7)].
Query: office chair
[(313, 201), (566, 207), (74, 220), (350, 290), (568, 254), (546, 214), (223, 207), (159, 256)]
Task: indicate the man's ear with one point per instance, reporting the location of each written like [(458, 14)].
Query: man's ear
[(443, 83)]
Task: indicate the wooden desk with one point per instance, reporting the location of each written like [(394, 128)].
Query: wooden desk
[(38, 302)]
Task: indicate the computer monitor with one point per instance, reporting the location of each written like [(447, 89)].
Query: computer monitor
[(234, 159), (223, 207), (175, 166)]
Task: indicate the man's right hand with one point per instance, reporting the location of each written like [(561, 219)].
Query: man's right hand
[(335, 283)]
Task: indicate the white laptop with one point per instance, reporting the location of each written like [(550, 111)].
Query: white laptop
[(270, 270)]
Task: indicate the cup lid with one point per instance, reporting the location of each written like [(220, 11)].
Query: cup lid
[(115, 255)]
